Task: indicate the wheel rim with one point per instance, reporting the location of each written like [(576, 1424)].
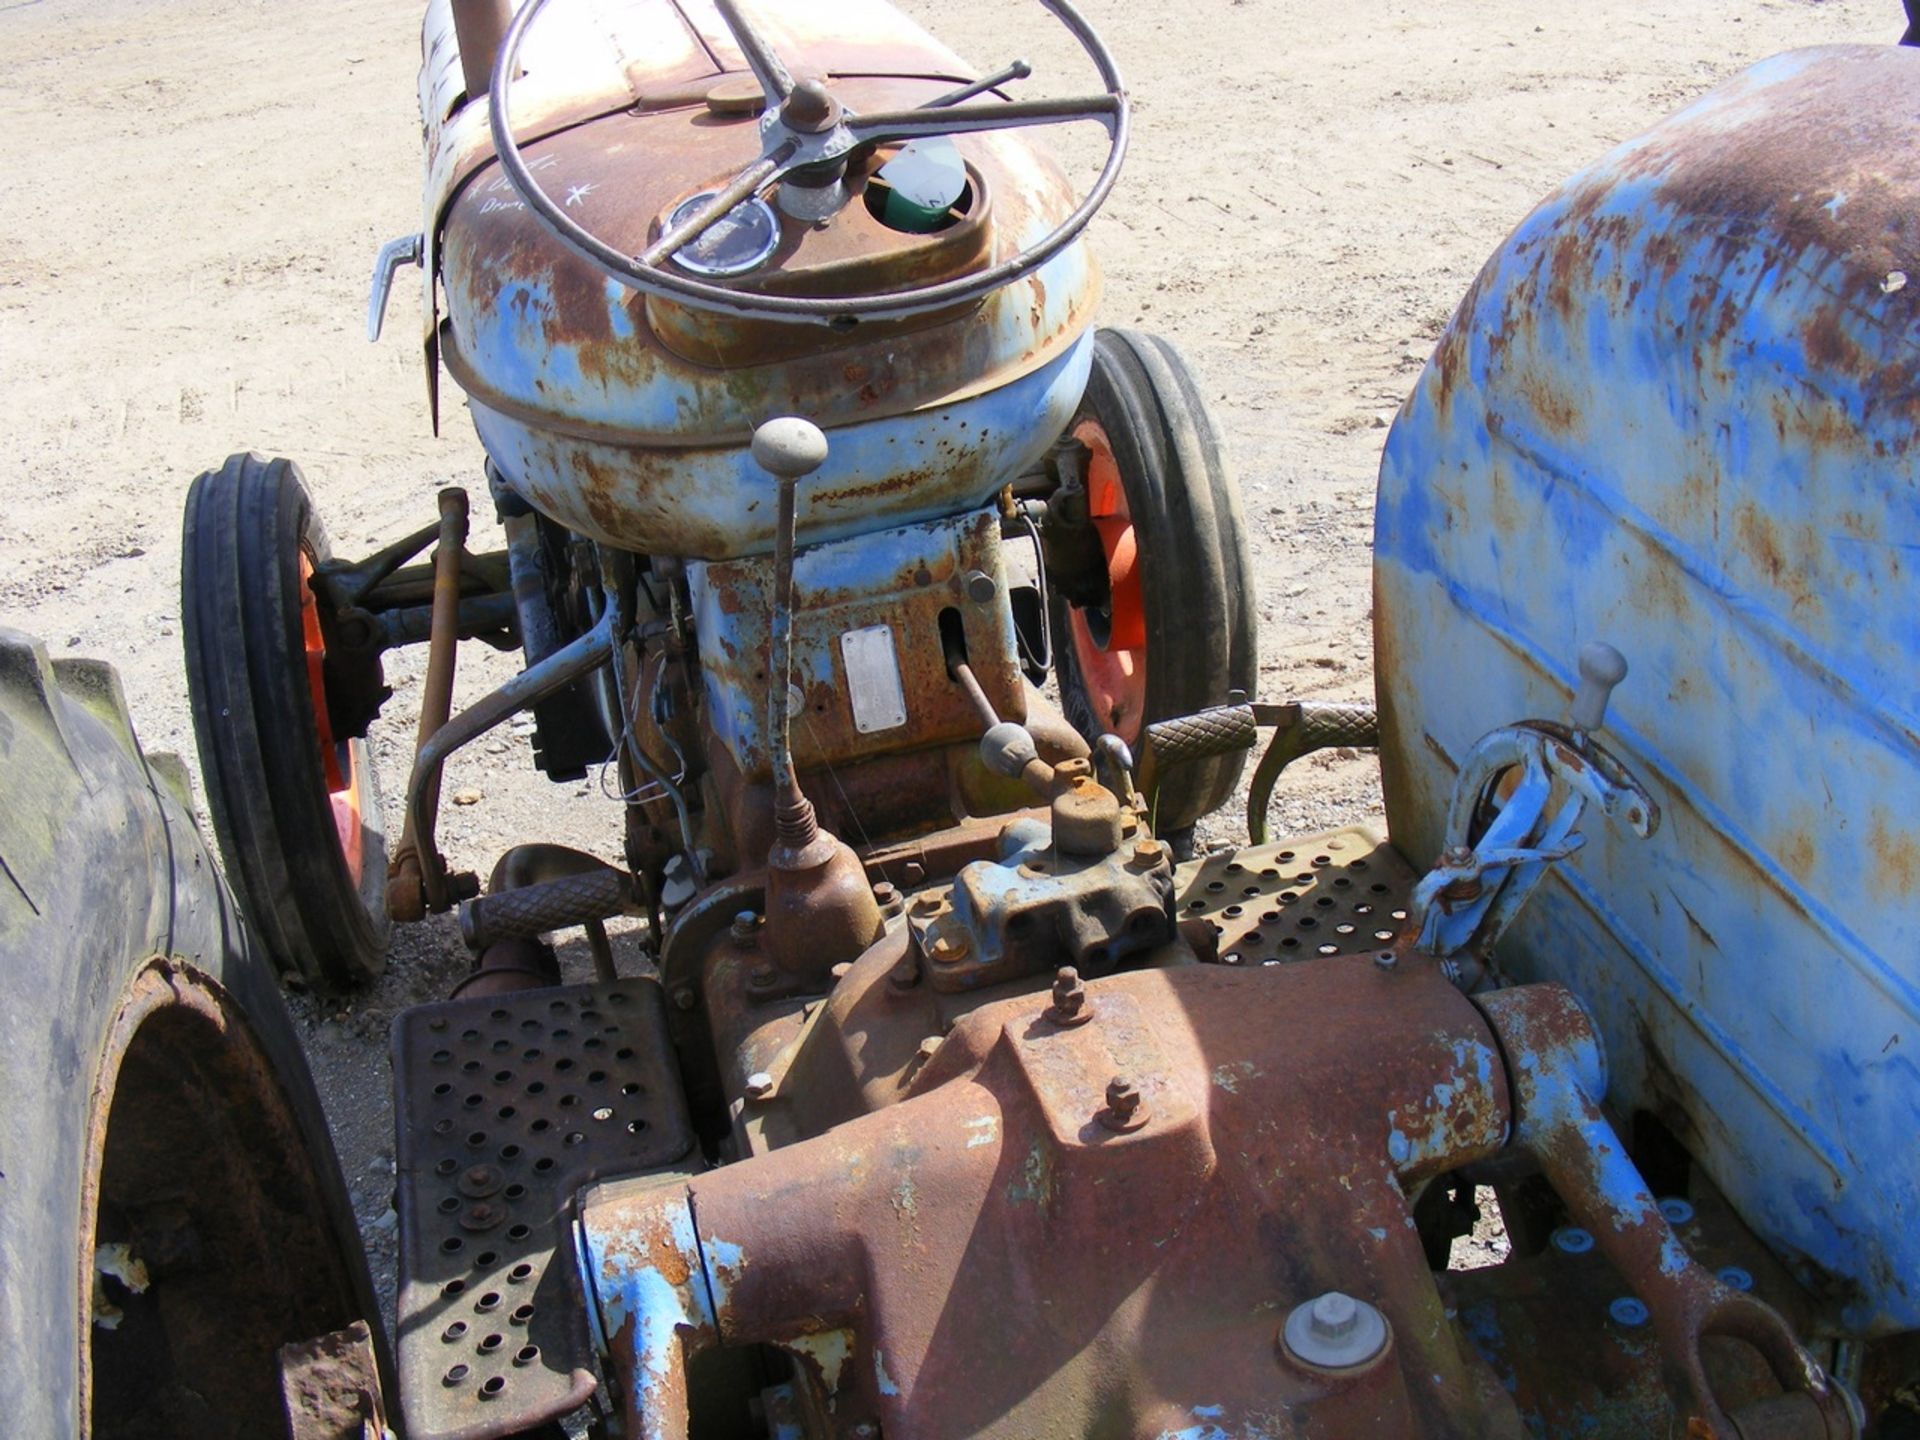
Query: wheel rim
[(339, 759), (197, 1166), (1110, 642)]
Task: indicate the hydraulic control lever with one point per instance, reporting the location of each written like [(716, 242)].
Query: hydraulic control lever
[(1519, 795)]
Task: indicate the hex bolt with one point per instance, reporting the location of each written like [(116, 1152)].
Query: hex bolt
[(1124, 1110), (981, 587), (1069, 1005), (1334, 1331), (745, 923), (684, 998), (950, 948), (1146, 853), (759, 1086), (763, 977), (929, 1047), (478, 1180), (905, 975)]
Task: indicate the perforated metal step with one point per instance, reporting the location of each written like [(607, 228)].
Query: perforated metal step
[(1341, 893), (505, 1106)]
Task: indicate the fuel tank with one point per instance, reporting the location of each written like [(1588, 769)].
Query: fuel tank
[(1677, 411), (625, 416)]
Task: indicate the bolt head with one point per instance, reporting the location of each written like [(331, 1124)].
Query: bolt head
[(684, 998), (763, 977), (1385, 959), (1333, 1315), (1456, 857), (745, 923), (759, 1085), (981, 587), (884, 893), (928, 1046)]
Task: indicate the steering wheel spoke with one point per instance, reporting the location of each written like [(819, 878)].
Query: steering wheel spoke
[(776, 81), (881, 126)]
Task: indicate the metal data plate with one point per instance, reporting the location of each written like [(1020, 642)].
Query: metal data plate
[(873, 679), (1341, 893), (505, 1107)]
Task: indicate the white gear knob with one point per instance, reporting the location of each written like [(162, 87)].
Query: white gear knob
[(789, 447), (1601, 668)]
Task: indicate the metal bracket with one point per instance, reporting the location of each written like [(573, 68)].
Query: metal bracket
[(407, 250), (1524, 788)]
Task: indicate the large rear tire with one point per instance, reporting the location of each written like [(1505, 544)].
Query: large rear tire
[(296, 809), (160, 1124), (1179, 630)]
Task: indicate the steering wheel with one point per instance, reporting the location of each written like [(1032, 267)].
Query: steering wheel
[(804, 128)]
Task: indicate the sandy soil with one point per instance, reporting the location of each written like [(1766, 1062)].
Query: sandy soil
[(196, 189)]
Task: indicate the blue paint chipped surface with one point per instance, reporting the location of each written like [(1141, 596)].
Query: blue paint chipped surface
[(1673, 416)]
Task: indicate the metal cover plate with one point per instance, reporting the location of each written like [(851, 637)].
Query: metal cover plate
[(505, 1106), (1339, 893)]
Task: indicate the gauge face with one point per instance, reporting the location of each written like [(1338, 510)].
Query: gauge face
[(741, 240)]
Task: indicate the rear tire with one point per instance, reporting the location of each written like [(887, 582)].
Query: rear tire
[(296, 812), (1179, 633), (158, 1099)]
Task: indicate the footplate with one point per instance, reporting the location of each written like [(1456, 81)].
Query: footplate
[(1341, 893), (505, 1106)]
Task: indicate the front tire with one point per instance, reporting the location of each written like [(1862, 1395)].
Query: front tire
[(296, 810), (1178, 632)]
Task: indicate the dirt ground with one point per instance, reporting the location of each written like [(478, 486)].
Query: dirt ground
[(197, 188)]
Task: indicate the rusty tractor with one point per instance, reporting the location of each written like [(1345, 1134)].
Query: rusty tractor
[(956, 1096)]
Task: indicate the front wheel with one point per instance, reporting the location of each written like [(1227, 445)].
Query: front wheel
[(1173, 629), (295, 806)]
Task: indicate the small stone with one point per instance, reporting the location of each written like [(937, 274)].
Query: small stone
[(467, 797)]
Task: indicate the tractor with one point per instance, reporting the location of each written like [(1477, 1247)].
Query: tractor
[(906, 618)]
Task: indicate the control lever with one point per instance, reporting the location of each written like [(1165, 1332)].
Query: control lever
[(1538, 779), (1299, 727)]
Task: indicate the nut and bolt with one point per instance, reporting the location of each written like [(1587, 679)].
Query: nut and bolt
[(929, 1047), (482, 1215), (684, 998), (763, 977), (950, 947), (905, 975), (1124, 1109), (745, 923), (1069, 1005), (1334, 1331), (1456, 857), (478, 1180), (1385, 959), (1146, 854), (887, 896), (759, 1085)]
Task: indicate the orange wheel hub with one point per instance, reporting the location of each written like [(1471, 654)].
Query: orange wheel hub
[(346, 786), (1110, 646)]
